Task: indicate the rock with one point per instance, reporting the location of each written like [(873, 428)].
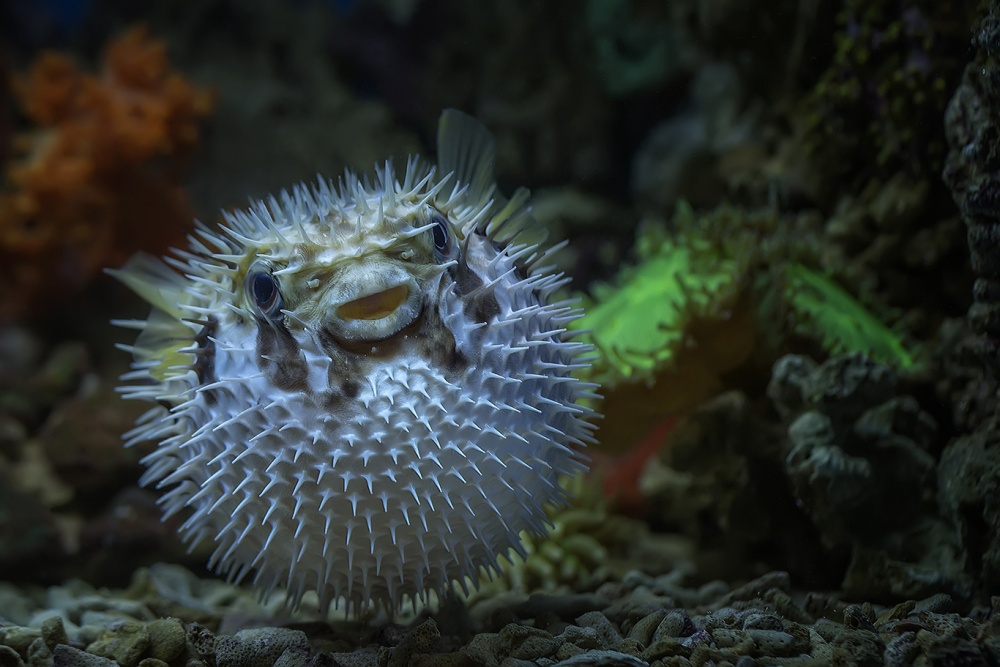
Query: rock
[(54, 632), (606, 631), (603, 659), (202, 640), (125, 643), (67, 656), (422, 639), (19, 638), (39, 654), (487, 649), (644, 630), (166, 639), (152, 662), (9, 657), (257, 647)]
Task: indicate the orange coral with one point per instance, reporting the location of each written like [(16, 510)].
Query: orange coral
[(98, 177)]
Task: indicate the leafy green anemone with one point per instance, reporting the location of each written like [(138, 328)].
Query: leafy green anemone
[(825, 311), (643, 322), (640, 323)]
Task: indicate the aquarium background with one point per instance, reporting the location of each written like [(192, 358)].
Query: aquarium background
[(782, 223)]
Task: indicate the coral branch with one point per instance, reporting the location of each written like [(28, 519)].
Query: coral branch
[(98, 175)]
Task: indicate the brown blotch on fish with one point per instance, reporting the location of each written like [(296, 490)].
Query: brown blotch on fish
[(280, 359), (204, 363), (344, 366), (481, 307), (437, 344)]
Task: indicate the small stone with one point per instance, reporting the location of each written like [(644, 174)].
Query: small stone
[(166, 639), (858, 647), (527, 642), (675, 623), (202, 639), (762, 621), (772, 642), (604, 659), (901, 650), (567, 650), (125, 643), (643, 630), (585, 638), (54, 632), (609, 635), (257, 647), (67, 656), (39, 654), (422, 639), (293, 657), (487, 649), (9, 657), (668, 647), (152, 662), (517, 662), (820, 649), (19, 638), (533, 648), (630, 646), (726, 637)]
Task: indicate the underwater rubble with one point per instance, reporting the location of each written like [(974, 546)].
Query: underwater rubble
[(167, 616)]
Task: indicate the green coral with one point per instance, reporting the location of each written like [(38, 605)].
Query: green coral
[(824, 311), (640, 322)]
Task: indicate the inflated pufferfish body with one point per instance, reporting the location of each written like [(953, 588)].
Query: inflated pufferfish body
[(362, 390)]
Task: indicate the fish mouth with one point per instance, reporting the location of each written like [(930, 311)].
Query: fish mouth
[(392, 302), (374, 306)]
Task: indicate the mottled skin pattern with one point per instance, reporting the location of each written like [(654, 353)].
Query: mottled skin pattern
[(362, 392)]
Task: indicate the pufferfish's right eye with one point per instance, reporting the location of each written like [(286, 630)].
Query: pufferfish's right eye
[(264, 292)]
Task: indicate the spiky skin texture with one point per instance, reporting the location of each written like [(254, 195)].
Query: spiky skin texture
[(373, 451)]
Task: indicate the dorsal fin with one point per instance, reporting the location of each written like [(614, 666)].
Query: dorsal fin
[(467, 150)]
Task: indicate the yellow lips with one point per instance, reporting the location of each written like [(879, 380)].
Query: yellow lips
[(374, 306)]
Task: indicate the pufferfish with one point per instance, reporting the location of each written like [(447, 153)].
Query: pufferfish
[(363, 389)]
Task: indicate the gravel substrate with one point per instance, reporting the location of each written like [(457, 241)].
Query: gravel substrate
[(169, 617)]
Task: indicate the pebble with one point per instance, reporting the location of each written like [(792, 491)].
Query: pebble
[(67, 656), (257, 647), (54, 632), (166, 640), (10, 658), (125, 643)]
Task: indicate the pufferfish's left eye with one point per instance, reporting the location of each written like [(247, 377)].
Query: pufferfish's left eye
[(443, 246), (264, 291)]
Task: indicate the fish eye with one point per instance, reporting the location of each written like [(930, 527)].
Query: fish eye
[(442, 237), (265, 292)]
